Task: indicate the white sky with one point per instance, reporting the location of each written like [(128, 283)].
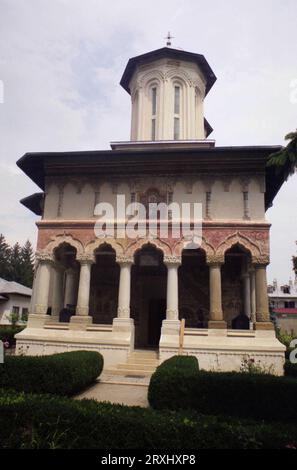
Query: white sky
[(61, 62)]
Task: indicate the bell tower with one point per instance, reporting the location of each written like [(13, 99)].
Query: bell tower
[(167, 88)]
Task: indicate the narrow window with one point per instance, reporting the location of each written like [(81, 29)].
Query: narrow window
[(176, 123), (176, 100), (154, 112)]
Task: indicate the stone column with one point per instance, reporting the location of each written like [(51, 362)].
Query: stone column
[(71, 285), (124, 288), (262, 307), (172, 324), (38, 314), (123, 323), (58, 291), (82, 319), (216, 316), (253, 294)]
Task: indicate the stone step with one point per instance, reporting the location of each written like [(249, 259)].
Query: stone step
[(134, 366), (145, 354), (130, 372), (141, 360)]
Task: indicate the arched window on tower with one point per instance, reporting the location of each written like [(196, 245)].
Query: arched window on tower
[(154, 112), (176, 118)]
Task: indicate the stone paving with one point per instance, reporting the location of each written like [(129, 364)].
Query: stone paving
[(120, 389)]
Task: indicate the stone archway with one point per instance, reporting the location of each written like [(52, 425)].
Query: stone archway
[(148, 295), (236, 286), (104, 285), (193, 280)]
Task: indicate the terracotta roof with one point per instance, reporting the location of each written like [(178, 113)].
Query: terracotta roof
[(288, 311)]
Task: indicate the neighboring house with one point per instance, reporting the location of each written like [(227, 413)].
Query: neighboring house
[(14, 299), (283, 305)]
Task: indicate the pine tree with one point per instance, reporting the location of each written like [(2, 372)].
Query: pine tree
[(15, 265), (4, 258), (27, 264)]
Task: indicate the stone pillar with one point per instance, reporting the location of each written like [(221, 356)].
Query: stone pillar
[(253, 294), (58, 291), (216, 316), (124, 288), (38, 315), (262, 307), (172, 324), (81, 318), (123, 324), (71, 285)]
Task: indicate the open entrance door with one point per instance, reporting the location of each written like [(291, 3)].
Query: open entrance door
[(148, 296)]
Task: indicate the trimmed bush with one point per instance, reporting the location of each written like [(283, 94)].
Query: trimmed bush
[(62, 374), (42, 422), (7, 333), (290, 369), (225, 393)]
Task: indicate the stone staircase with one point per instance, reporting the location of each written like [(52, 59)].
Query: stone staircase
[(140, 363)]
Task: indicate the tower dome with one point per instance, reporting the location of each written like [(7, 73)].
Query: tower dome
[(167, 88)]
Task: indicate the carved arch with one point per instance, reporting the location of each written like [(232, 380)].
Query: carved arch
[(241, 240), (205, 246), (92, 246), (58, 240), (156, 242)]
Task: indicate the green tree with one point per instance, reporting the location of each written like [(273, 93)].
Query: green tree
[(4, 258), (27, 264), (285, 160), (15, 265)]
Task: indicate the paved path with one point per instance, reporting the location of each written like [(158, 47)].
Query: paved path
[(119, 389)]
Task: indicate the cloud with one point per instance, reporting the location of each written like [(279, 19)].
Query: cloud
[(61, 62)]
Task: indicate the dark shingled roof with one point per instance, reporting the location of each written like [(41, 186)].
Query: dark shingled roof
[(168, 52)]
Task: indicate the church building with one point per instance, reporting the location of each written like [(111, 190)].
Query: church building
[(119, 294)]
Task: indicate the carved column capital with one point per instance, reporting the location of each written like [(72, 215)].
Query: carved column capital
[(124, 259), (172, 260), (85, 258), (260, 260), (215, 259)]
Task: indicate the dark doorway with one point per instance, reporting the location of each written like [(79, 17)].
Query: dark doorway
[(148, 296), (157, 313)]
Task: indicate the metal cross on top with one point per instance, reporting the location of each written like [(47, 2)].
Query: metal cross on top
[(169, 37)]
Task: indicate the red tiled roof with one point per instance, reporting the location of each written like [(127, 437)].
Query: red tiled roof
[(289, 311)]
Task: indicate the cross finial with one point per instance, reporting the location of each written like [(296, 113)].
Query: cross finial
[(168, 38)]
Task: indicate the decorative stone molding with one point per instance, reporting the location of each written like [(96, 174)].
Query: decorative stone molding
[(172, 260), (58, 240), (44, 256), (159, 244), (85, 258), (238, 239), (171, 314), (124, 259), (92, 246), (260, 260), (123, 312), (215, 259)]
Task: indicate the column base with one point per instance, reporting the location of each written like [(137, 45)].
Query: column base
[(217, 325), (170, 327), (53, 318), (36, 320), (78, 322), (123, 325), (263, 325)]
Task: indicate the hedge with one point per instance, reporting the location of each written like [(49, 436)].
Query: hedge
[(62, 374), (290, 369), (7, 333), (47, 421), (224, 393)]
